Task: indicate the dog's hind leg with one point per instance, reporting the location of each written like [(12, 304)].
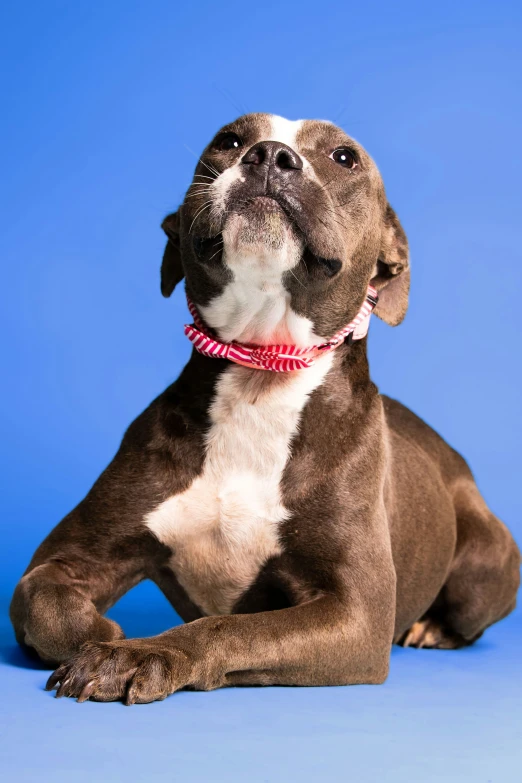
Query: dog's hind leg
[(483, 580)]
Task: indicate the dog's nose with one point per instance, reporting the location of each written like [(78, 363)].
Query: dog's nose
[(272, 154)]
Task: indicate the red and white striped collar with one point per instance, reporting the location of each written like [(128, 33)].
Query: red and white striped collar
[(277, 358)]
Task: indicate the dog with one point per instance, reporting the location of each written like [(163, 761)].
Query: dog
[(299, 522)]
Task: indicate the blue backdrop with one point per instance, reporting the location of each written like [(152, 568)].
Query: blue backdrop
[(104, 106)]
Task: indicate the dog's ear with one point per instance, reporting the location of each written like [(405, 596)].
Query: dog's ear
[(171, 267), (392, 273)]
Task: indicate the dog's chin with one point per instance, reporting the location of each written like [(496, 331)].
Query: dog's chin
[(260, 230)]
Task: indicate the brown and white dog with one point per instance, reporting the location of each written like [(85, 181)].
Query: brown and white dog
[(299, 522)]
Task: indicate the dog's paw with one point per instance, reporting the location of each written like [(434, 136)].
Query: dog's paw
[(431, 634), (134, 670)]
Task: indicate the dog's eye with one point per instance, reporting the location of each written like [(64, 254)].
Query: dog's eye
[(344, 157), (228, 141)]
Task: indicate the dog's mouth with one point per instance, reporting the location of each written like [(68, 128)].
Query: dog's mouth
[(261, 205), (268, 213), (211, 251), (262, 213)]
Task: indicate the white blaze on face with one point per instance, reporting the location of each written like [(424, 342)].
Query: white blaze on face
[(286, 132), (255, 305)]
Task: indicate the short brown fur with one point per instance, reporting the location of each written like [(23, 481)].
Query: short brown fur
[(388, 538)]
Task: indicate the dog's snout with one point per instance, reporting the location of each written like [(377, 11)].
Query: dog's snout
[(273, 154)]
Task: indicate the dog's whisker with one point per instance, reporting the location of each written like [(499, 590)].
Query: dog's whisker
[(240, 108), (294, 275), (207, 165), (203, 208), (203, 191), (336, 216), (219, 250)]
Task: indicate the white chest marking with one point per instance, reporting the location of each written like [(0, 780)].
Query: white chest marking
[(224, 527), (255, 307)]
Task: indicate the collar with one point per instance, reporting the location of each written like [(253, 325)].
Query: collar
[(277, 358)]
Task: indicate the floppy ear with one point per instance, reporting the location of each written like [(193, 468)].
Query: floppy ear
[(171, 267), (392, 275)]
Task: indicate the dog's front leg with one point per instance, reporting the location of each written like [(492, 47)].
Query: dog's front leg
[(331, 640)]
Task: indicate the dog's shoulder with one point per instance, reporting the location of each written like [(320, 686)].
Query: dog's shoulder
[(407, 428)]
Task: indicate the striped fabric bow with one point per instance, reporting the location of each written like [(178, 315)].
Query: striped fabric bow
[(277, 358)]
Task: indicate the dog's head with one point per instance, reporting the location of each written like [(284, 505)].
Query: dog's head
[(281, 231)]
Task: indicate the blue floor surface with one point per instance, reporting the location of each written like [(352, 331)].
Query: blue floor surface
[(441, 716)]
